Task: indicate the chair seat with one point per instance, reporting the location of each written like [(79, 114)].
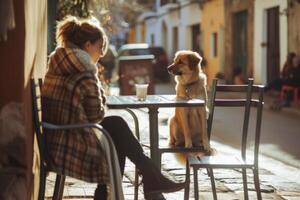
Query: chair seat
[(181, 149), (218, 161)]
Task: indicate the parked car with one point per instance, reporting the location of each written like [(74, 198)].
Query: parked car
[(135, 49), (160, 62), (109, 61)]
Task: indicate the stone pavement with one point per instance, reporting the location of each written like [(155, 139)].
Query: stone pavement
[(278, 181)]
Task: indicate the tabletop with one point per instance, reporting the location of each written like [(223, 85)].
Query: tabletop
[(130, 101)]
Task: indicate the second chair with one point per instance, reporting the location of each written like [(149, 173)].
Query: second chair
[(241, 161)]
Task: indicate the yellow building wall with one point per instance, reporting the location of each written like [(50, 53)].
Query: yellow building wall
[(143, 31), (131, 35), (133, 31), (23, 56), (212, 21)]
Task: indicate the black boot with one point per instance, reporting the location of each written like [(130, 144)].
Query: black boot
[(100, 192), (154, 182)]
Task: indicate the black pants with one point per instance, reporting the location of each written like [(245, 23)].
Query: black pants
[(126, 145), (278, 83)]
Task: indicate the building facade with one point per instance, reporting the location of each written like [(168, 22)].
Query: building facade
[(270, 39), (23, 55), (238, 37), (253, 36), (175, 25), (212, 31)]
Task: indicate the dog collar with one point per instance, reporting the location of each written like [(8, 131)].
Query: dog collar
[(187, 88), (190, 84)]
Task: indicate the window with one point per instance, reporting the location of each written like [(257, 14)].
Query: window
[(164, 2), (152, 39), (196, 38), (214, 44), (175, 40)]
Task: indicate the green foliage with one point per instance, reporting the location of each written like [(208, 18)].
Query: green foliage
[(77, 8), (114, 15)]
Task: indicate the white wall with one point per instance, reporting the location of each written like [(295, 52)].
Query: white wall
[(260, 35), (190, 15), (151, 27), (138, 33), (182, 18)]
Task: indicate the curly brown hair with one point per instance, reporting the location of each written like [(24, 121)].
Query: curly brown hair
[(71, 29)]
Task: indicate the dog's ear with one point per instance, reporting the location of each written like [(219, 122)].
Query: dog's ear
[(194, 60)]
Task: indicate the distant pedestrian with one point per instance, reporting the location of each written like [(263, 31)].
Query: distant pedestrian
[(221, 78), (238, 76), (290, 76)]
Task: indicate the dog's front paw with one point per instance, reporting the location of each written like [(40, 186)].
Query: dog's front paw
[(188, 145), (210, 151), (171, 142)]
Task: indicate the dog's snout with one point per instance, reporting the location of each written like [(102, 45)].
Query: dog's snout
[(173, 69), (170, 67)]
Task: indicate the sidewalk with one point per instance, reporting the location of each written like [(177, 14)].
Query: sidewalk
[(278, 181), (273, 96)]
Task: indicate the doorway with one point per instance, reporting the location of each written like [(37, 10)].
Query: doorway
[(165, 35), (273, 52), (196, 35), (240, 35), (175, 40)]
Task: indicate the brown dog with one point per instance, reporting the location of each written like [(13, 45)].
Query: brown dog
[(188, 125)]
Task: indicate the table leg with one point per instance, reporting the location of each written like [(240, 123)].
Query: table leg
[(154, 137)]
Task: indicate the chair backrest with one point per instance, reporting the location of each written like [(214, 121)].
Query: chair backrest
[(107, 142), (249, 101), (36, 87)]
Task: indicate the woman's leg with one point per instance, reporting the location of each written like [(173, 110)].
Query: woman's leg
[(100, 192), (127, 145), (275, 85), (111, 124), (125, 142), (123, 139)]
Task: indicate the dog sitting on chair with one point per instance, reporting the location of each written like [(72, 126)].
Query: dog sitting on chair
[(188, 126)]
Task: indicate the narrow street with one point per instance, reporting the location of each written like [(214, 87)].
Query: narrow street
[(280, 133), (279, 180)]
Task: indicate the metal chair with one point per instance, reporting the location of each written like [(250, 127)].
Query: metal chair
[(116, 190), (137, 134), (232, 161)]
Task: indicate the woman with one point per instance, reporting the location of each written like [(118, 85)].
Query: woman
[(72, 94), (290, 76), (287, 75), (238, 76)]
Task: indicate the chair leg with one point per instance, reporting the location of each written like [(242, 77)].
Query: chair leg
[(136, 184), (245, 184), (159, 160), (296, 96), (187, 181), (42, 184), (208, 172), (196, 191), (281, 96), (59, 187), (212, 180), (257, 184)]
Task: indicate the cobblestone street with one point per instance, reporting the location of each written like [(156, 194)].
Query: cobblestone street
[(278, 181)]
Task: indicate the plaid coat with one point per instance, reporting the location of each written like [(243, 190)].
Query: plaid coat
[(72, 94)]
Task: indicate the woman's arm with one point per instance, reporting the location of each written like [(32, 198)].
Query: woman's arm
[(93, 99)]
